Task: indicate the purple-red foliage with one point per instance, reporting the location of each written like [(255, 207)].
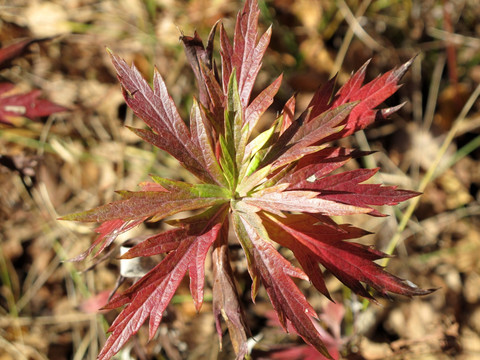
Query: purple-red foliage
[(274, 189), (15, 105)]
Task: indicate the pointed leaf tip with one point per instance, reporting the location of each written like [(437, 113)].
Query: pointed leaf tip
[(401, 70)]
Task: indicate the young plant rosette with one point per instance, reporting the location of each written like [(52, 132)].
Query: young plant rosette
[(275, 190)]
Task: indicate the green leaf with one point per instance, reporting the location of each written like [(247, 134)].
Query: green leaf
[(234, 142), (196, 190), (236, 133), (259, 141), (254, 151), (253, 180), (273, 180), (227, 163)]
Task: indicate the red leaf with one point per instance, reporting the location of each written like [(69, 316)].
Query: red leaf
[(297, 140), (369, 95), (346, 188), (321, 99), (157, 109), (211, 94), (226, 52), (319, 164), (303, 254), (275, 272), (24, 105), (14, 105), (7, 54), (198, 56), (350, 262), (247, 54), (174, 149), (108, 232), (157, 244), (288, 113), (216, 97), (150, 296), (261, 103), (277, 187)]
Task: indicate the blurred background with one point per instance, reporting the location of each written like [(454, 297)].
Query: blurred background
[(75, 160)]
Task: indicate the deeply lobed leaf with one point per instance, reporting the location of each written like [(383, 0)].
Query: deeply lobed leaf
[(351, 263), (275, 272), (158, 204), (157, 109), (226, 301), (277, 187), (149, 297)]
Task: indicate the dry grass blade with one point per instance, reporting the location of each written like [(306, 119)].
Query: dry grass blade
[(430, 174)]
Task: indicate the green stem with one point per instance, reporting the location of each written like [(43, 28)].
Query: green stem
[(4, 275)]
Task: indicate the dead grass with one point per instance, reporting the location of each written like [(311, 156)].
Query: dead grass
[(76, 160)]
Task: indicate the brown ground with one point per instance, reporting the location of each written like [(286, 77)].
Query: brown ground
[(75, 160)]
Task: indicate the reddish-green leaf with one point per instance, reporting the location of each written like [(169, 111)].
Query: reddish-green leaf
[(226, 301), (247, 54), (298, 139), (158, 204), (276, 187), (302, 201), (200, 135), (108, 232)]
